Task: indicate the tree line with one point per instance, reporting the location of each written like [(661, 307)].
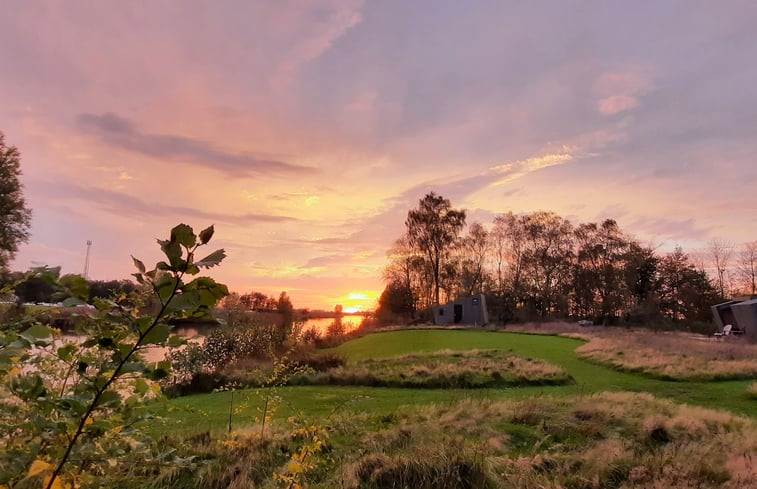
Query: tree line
[(541, 266)]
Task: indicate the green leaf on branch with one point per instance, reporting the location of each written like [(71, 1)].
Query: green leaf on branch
[(125, 348), (38, 332), (212, 259), (175, 340), (101, 380), (184, 301), (138, 263), (159, 371), (66, 352), (142, 324), (132, 367), (184, 235), (73, 404), (141, 386), (109, 398), (28, 387), (157, 335), (166, 286), (172, 250), (206, 234), (210, 291)]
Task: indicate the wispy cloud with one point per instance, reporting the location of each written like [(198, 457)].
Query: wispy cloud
[(508, 172), (121, 132), (330, 23), (671, 229), (123, 204)]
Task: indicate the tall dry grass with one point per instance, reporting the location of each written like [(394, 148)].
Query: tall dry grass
[(604, 441), (612, 440), (445, 369), (673, 356)]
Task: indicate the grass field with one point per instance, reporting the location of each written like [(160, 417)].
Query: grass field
[(211, 411), (444, 369)]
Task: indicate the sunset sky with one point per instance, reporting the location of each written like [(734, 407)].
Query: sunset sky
[(306, 130)]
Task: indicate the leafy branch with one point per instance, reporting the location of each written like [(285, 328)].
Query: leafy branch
[(95, 370)]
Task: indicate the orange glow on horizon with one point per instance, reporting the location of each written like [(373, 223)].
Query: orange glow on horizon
[(359, 301)]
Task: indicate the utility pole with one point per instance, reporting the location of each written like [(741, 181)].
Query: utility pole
[(86, 260)]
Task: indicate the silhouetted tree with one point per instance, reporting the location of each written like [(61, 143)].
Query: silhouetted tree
[(39, 285), (747, 267), (683, 291), (719, 253), (508, 242), (640, 279), (599, 286), (105, 289), (15, 216), (408, 269), (432, 229), (472, 251), (396, 300), (547, 261)]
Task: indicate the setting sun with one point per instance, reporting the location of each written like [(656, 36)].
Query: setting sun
[(355, 302)]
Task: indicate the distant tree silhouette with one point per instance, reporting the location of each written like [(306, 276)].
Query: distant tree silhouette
[(396, 300), (433, 229), (747, 267), (105, 289), (719, 253), (540, 265)]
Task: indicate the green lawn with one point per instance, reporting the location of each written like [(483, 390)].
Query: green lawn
[(211, 411)]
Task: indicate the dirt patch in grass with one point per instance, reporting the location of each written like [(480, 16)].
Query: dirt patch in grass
[(444, 369), (674, 356)]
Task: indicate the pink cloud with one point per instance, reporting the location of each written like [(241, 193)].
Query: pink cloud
[(617, 103), (620, 91)]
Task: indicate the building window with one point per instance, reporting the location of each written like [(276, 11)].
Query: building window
[(441, 312)]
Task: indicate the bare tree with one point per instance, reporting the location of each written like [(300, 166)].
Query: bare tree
[(720, 253), (474, 248), (508, 242), (746, 268)]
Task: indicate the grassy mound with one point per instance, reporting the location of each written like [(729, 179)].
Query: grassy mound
[(674, 357), (444, 369)]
